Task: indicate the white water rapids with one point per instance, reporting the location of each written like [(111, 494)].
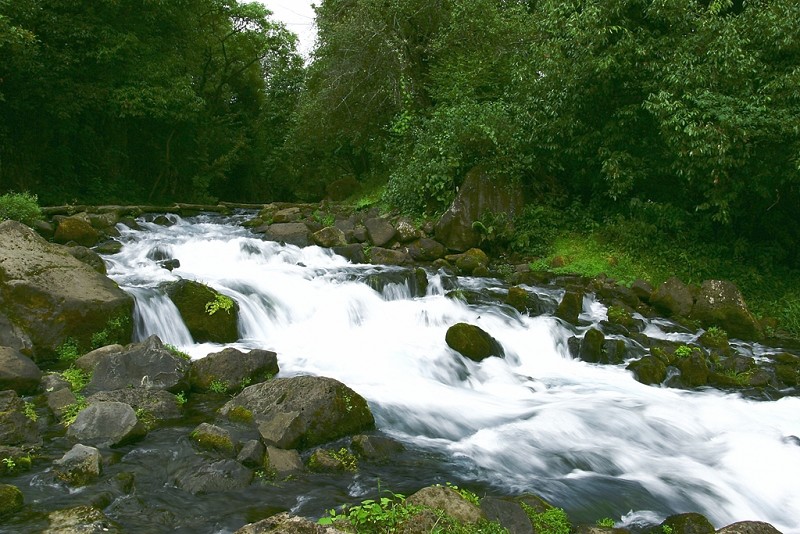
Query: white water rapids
[(535, 421)]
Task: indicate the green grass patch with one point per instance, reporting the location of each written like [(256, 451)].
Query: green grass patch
[(22, 207)]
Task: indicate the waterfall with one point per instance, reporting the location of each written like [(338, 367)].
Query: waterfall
[(536, 420)]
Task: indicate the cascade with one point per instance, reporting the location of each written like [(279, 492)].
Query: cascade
[(536, 420)]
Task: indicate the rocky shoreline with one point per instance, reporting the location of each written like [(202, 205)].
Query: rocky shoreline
[(247, 424)]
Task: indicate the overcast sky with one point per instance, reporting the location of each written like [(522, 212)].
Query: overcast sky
[(298, 17)]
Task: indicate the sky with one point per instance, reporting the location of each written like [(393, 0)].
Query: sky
[(298, 16)]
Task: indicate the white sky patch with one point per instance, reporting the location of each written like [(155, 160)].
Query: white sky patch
[(298, 16)]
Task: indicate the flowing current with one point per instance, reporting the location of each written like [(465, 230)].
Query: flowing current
[(588, 437)]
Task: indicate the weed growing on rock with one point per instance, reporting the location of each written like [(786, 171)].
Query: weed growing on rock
[(218, 386), (180, 398), (30, 412), (77, 378), (175, 351), (552, 520), (71, 411), (605, 522), (220, 302), (68, 351), (115, 331), (466, 494), (382, 515)]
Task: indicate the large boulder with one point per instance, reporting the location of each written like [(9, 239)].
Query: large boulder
[(76, 230), (15, 427), (673, 297), (477, 196), (448, 501), (388, 256), (208, 314), (749, 527), (314, 410), (293, 233), (720, 303), (233, 368), (18, 372), (144, 365), (222, 475), (473, 342), (107, 424), (51, 296), (688, 523), (426, 249), (329, 237), (571, 305), (379, 230)]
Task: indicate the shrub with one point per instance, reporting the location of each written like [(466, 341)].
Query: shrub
[(22, 207)]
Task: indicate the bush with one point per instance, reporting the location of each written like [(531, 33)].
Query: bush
[(22, 207)]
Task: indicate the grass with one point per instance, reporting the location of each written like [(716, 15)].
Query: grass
[(22, 207)]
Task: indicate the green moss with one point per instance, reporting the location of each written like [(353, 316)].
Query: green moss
[(68, 351), (240, 414), (213, 442)]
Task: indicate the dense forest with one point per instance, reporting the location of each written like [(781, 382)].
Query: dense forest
[(652, 118)]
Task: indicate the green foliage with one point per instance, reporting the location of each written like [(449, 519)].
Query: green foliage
[(145, 417), (666, 529), (175, 351), (68, 351), (218, 386), (9, 463), (30, 412), (220, 302), (684, 351), (180, 398), (605, 522), (382, 515), (77, 378), (71, 411), (466, 494), (346, 458), (116, 331), (22, 207), (325, 219), (551, 521)]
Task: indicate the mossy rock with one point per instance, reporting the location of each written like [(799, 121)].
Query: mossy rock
[(472, 342), (570, 306), (690, 523), (649, 369), (205, 320), (213, 438), (11, 499)]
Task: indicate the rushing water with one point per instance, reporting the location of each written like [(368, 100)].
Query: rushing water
[(588, 437)]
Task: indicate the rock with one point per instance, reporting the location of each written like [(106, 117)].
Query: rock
[(691, 523), (473, 342), (694, 370), (51, 295), (142, 365), (379, 231), (327, 409), (376, 447), (154, 406), (222, 475), (478, 195), (517, 298), (329, 237), (110, 247), (448, 501), (81, 520), (11, 500), (74, 229), (673, 297), (15, 427), (294, 233), (470, 261), (235, 368), (330, 461), (642, 289), (287, 215), (18, 372), (213, 438), (591, 348), (252, 454), (407, 232), (80, 466), (749, 527), (89, 361), (648, 370), (60, 400), (284, 523), (385, 256), (571, 305), (426, 249), (282, 430), (208, 314), (89, 257), (281, 462), (720, 303), (107, 424), (353, 252), (508, 513)]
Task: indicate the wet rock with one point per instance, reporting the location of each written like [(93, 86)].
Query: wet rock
[(694, 369), (154, 406), (89, 361), (470, 261), (591, 348), (353, 252), (287, 215), (426, 249), (209, 315), (18, 372), (213, 438), (507, 512), (326, 409), (376, 447), (283, 430), (222, 475), (648, 370), (379, 231), (292, 233), (642, 289), (51, 295), (690, 523), (89, 257), (252, 454), (60, 400), (386, 256), (76, 230), (233, 368), (448, 501), (720, 303), (517, 298), (281, 462), (11, 500), (108, 247), (107, 424), (146, 365), (571, 305), (80, 466), (473, 342), (749, 527), (284, 523), (81, 520), (15, 427), (331, 461), (329, 237), (673, 297)]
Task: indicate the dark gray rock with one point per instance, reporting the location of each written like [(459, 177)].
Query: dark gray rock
[(80, 466), (376, 447), (213, 438), (571, 305), (222, 475), (18, 372), (592, 346), (386, 256), (252, 454), (448, 501), (140, 365), (353, 252), (649, 370), (293, 233), (326, 409), (284, 523), (379, 231), (426, 249), (195, 302), (329, 237), (749, 527), (89, 257), (15, 427), (690, 523), (673, 297), (234, 368), (107, 424), (508, 513), (157, 405), (720, 303), (282, 462), (473, 342), (88, 361)]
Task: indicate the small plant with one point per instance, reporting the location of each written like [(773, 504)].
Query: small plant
[(68, 351), (348, 460), (220, 302), (348, 402), (218, 386), (71, 411), (466, 494), (180, 398), (30, 411), (382, 515), (175, 351), (684, 351), (551, 521), (246, 381), (715, 337), (666, 529), (22, 207), (605, 522), (9, 463), (145, 417), (325, 219), (77, 378), (115, 331)]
